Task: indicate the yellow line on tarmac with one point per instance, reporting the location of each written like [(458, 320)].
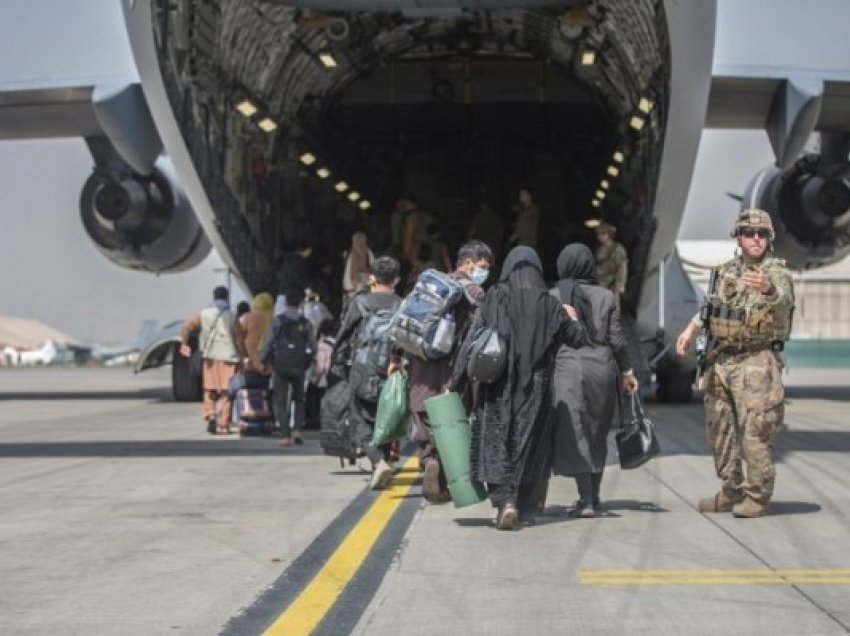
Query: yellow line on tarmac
[(712, 578), (310, 607)]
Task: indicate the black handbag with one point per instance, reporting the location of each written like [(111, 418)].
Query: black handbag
[(196, 363), (637, 441), (488, 356)]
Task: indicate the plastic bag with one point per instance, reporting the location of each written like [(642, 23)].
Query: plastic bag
[(392, 418)]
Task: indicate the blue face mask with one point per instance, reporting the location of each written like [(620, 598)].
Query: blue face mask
[(479, 275)]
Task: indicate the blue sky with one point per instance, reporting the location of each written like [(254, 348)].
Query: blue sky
[(52, 272)]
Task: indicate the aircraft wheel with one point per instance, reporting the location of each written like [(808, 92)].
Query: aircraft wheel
[(675, 387), (185, 386)]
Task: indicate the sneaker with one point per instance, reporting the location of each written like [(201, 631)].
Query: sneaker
[(381, 476), (507, 518), (212, 426), (582, 510)]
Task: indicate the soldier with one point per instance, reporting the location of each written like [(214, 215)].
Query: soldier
[(751, 312), (612, 263)]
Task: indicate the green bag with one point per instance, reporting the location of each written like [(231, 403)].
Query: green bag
[(393, 417), (453, 435)]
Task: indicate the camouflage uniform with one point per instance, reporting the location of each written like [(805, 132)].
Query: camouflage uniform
[(744, 396), (611, 264)]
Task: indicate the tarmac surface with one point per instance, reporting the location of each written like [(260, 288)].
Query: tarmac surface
[(119, 514)]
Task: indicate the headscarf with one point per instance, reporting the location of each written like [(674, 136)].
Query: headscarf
[(576, 264), (263, 305), (521, 309), (359, 257)]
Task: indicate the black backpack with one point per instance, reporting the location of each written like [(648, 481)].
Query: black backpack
[(292, 352), (371, 355), (337, 436)]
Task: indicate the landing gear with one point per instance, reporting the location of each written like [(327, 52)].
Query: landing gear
[(675, 385), (185, 386)]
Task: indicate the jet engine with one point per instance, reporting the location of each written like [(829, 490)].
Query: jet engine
[(810, 207), (143, 223)]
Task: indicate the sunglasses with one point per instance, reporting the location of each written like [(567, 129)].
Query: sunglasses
[(749, 233)]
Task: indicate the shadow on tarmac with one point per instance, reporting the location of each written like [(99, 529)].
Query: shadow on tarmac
[(154, 395), (793, 508), (834, 393), (212, 447)]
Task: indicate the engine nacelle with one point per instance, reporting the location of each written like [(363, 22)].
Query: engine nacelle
[(810, 207), (143, 222)]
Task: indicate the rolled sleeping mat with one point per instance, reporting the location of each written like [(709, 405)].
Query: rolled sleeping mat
[(453, 435)]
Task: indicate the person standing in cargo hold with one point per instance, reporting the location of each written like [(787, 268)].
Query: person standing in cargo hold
[(748, 315), (527, 220), (612, 262), (220, 333)]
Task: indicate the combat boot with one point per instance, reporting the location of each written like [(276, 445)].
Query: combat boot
[(720, 502), (749, 509)]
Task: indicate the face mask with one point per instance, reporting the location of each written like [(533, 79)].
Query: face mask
[(479, 275)]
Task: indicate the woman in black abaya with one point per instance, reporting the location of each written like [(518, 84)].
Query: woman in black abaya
[(585, 380), (511, 433)]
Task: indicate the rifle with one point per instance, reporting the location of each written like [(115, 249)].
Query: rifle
[(705, 342)]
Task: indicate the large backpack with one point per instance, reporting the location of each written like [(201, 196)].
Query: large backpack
[(337, 435), (371, 356), (292, 350), (424, 324)]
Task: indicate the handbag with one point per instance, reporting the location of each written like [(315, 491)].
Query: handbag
[(637, 441), (488, 356)]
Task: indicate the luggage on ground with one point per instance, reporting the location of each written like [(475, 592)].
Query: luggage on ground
[(337, 436)]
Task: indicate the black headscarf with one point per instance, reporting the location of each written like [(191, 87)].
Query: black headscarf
[(576, 264), (521, 309)]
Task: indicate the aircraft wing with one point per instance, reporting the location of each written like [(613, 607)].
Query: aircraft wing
[(743, 96), (113, 107)]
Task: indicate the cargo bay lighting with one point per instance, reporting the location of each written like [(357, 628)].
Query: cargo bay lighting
[(353, 196), (323, 173), (327, 60), (613, 171), (588, 58), (637, 122), (618, 157), (600, 194), (645, 105), (592, 223), (604, 184), (365, 205), (308, 158), (341, 187), (246, 108), (267, 125)]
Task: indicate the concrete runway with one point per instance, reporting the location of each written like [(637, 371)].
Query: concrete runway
[(121, 515)]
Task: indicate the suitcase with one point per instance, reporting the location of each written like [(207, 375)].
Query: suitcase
[(253, 412), (336, 436)]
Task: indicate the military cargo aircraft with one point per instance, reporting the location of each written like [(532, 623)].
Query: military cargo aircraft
[(255, 120)]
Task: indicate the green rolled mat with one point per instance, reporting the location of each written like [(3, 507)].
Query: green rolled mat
[(453, 435)]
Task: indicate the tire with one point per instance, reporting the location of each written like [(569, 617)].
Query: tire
[(675, 387), (185, 386)]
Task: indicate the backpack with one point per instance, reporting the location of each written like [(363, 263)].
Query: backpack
[(337, 435), (371, 352), (292, 351), (424, 324)]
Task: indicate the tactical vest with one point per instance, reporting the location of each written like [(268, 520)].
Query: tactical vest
[(743, 317)]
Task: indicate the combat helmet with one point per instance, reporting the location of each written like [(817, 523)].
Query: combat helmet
[(753, 218)]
